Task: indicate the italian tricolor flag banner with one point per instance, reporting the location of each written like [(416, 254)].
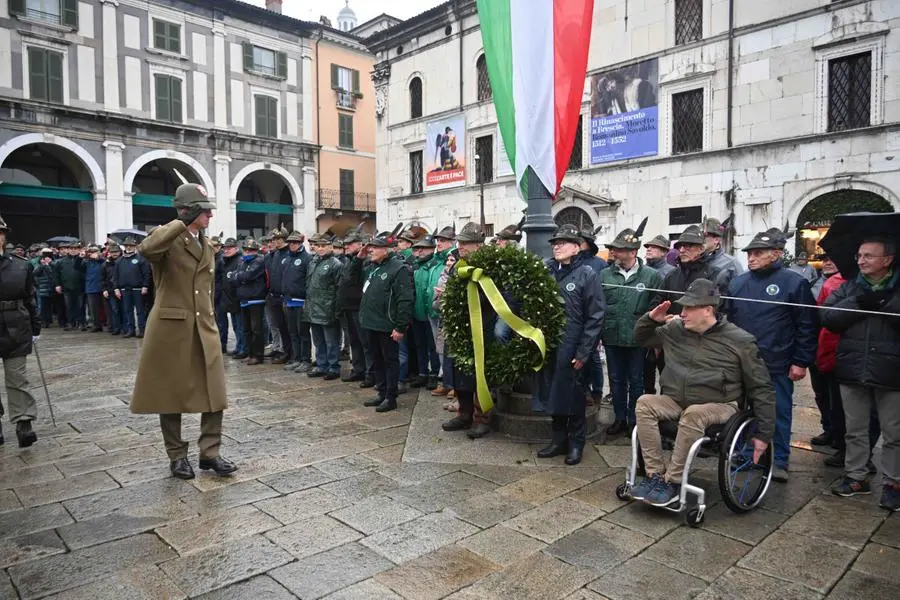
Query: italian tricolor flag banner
[(536, 53)]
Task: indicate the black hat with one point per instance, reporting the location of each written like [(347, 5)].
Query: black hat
[(766, 240), (251, 244), (567, 233), (427, 241), (352, 237), (230, 243), (691, 235), (659, 241), (380, 241), (701, 292)]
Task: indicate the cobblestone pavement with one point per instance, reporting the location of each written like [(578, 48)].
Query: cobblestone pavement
[(335, 501)]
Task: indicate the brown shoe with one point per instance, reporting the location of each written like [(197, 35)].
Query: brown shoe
[(280, 360), (440, 390), (253, 361)]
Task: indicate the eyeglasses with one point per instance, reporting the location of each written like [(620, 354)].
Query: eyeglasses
[(868, 257)]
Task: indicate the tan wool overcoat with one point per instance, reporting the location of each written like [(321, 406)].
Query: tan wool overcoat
[(181, 368)]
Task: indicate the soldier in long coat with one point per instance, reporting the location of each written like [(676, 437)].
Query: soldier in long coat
[(181, 368)]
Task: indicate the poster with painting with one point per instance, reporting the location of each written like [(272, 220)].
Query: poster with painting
[(445, 153), (624, 113)]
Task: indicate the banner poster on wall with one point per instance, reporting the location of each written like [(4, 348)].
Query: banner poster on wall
[(445, 153), (624, 112), (504, 167)]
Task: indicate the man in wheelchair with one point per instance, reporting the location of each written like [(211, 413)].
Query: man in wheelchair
[(710, 365)]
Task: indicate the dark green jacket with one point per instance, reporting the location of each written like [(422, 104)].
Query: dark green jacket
[(387, 302), (321, 290), (424, 288), (69, 272), (625, 306), (720, 365)]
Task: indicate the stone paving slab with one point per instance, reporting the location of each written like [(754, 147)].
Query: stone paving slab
[(136, 583), (314, 535), (742, 584), (262, 587), (697, 552), (435, 575), (21, 522), (65, 489), (301, 505), (502, 545), (555, 519), (643, 579), (195, 534), (423, 535), (321, 574), (376, 514), (107, 528), (29, 547), (599, 547)]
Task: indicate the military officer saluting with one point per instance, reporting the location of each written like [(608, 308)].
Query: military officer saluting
[(384, 314), (181, 368), (20, 327)]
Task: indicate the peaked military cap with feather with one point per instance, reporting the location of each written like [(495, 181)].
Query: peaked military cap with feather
[(279, 232), (426, 241), (691, 235), (192, 195), (659, 241), (355, 235), (295, 236), (447, 233), (771, 239), (470, 233), (512, 232), (629, 239), (250, 244), (567, 233)]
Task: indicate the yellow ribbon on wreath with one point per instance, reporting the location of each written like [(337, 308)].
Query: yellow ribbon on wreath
[(477, 278)]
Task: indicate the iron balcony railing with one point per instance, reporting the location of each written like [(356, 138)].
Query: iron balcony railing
[(346, 201)]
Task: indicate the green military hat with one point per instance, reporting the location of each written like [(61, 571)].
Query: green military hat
[(113, 248), (192, 195), (3, 226), (130, 241), (216, 240), (278, 232), (93, 248), (427, 241), (691, 235), (659, 241), (295, 236), (470, 233), (319, 239), (77, 244), (265, 239), (713, 226), (701, 292), (447, 233), (767, 240), (229, 243), (410, 236), (251, 244), (511, 232), (629, 239), (380, 241), (567, 233), (353, 237), (337, 242)]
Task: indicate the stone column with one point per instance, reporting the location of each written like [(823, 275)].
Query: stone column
[(110, 56), (114, 210), (220, 78), (308, 102), (225, 217), (305, 214), (539, 224)]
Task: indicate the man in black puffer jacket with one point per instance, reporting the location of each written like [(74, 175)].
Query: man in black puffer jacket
[(227, 302), (349, 296), (868, 366), (293, 289), (250, 277)]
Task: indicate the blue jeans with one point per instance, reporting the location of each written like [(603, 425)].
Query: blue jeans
[(448, 371), (784, 408), (132, 301), (300, 337), (596, 374), (240, 341), (426, 349), (74, 308), (327, 339), (626, 379), (404, 359), (222, 324)]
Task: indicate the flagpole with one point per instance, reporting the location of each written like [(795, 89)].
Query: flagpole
[(539, 224)]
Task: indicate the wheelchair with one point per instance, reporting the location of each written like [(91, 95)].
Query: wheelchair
[(742, 483)]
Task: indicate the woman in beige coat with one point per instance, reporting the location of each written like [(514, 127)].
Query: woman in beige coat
[(181, 368)]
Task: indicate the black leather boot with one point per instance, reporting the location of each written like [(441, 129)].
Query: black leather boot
[(25, 434), (577, 434), (386, 405), (376, 401), (181, 468), (559, 442), (222, 466)]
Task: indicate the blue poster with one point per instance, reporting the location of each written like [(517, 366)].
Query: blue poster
[(624, 113)]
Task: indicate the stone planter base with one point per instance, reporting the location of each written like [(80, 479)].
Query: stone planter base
[(513, 417)]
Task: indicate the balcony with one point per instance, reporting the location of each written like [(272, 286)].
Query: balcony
[(345, 99), (338, 201)]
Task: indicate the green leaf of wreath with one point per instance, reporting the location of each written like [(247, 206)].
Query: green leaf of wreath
[(521, 276)]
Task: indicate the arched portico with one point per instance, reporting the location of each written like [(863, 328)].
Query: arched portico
[(265, 196)]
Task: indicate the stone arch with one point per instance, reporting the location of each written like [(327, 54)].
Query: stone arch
[(793, 213), (290, 180), (153, 155), (97, 177)]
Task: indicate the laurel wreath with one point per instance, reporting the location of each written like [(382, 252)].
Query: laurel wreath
[(521, 277)]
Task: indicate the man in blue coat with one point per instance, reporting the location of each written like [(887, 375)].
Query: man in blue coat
[(786, 334)]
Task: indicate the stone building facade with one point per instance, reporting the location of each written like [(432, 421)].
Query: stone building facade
[(762, 108), (105, 105)]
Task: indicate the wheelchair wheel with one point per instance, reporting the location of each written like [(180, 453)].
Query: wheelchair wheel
[(694, 517), (742, 482), (622, 492)]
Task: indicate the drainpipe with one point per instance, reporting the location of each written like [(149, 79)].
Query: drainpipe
[(456, 13), (730, 112), (318, 119)]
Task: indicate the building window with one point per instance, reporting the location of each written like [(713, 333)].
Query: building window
[(573, 215), (687, 121), (347, 189), (45, 75), (685, 215), (850, 92), (484, 81), (688, 21), (345, 131), (415, 98), (484, 159), (345, 83), (167, 36), (577, 146), (266, 110), (415, 172), (60, 12), (168, 98), (265, 61)]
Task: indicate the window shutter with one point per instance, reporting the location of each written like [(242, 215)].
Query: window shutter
[(37, 73), (163, 112), (159, 35), (354, 77), (55, 77), (281, 64), (334, 76), (70, 13), (248, 56), (16, 7), (259, 109), (174, 38), (175, 88), (273, 117)]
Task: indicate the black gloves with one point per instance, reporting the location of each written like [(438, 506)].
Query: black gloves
[(873, 300), (190, 215)]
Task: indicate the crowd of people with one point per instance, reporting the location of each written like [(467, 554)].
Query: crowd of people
[(377, 301)]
